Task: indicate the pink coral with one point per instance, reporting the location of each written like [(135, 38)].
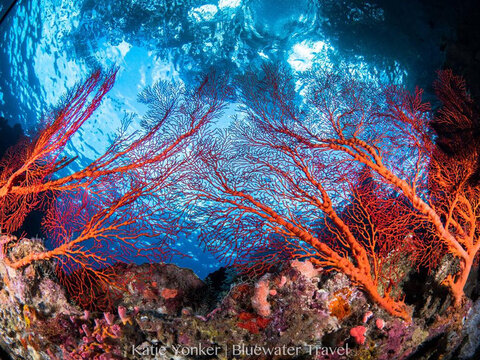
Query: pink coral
[(122, 313), (97, 344), (358, 333), (110, 318), (259, 299), (367, 316), (306, 268), (380, 323)]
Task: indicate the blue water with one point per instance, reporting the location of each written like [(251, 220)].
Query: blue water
[(47, 46)]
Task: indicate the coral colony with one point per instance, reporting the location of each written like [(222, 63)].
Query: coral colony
[(343, 209), (326, 208)]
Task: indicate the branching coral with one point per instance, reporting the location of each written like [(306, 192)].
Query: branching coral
[(278, 182), (102, 213), (277, 191)]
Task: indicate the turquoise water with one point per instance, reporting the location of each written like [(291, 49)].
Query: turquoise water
[(47, 46)]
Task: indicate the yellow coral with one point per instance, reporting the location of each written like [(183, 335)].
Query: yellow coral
[(339, 306), (28, 315)]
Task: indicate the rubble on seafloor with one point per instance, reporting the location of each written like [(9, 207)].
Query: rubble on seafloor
[(166, 312)]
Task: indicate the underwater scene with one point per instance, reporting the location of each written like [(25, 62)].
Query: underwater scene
[(239, 179)]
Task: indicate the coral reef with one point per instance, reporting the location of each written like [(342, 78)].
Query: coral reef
[(165, 312)]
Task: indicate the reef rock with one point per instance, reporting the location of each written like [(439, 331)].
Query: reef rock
[(166, 312)]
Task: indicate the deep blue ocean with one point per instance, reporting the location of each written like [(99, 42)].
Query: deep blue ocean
[(47, 46)]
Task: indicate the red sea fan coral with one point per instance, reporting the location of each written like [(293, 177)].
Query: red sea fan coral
[(117, 207)]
